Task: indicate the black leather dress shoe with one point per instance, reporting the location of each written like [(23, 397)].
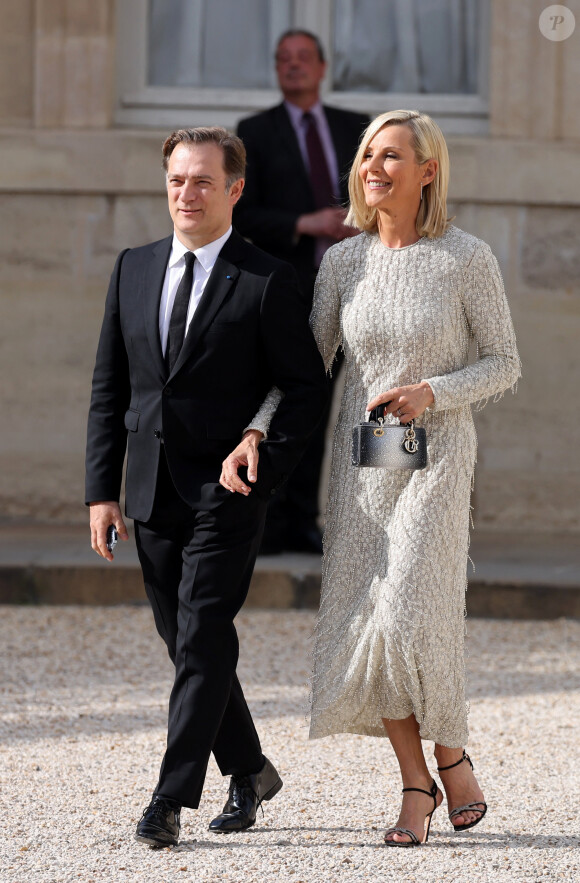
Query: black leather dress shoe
[(159, 824), (245, 796)]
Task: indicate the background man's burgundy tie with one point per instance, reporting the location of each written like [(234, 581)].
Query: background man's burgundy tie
[(319, 174), (179, 313)]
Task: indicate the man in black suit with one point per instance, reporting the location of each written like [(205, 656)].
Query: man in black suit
[(299, 155), (185, 359)]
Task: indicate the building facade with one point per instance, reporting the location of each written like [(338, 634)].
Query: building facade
[(89, 88)]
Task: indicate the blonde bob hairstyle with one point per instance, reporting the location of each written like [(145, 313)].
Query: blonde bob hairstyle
[(428, 143)]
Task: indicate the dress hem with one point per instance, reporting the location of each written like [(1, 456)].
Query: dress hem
[(445, 742)]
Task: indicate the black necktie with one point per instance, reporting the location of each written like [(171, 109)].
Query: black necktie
[(178, 319), (319, 174)]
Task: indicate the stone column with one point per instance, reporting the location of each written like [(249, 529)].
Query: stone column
[(74, 57), (16, 63), (533, 80)]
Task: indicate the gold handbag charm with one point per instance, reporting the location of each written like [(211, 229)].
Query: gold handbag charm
[(410, 443), (379, 431)]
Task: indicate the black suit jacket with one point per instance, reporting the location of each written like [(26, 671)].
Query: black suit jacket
[(278, 188), (249, 332)]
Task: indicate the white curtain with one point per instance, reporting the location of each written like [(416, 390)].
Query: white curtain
[(406, 46), (215, 43), (378, 45)]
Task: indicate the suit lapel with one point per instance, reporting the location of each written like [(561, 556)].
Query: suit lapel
[(290, 142), (342, 146), (223, 277), (152, 286)]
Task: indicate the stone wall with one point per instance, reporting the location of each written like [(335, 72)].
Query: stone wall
[(525, 477), (74, 191), (55, 261)]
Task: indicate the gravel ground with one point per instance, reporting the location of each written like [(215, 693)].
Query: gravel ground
[(82, 730)]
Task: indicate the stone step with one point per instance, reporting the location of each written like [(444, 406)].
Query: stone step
[(516, 576)]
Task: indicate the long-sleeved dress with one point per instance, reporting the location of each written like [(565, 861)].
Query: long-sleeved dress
[(390, 632)]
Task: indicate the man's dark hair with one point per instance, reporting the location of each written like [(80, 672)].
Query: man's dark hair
[(232, 146), (299, 32)]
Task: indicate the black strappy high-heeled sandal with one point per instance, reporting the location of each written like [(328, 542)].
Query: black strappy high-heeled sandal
[(469, 807), (414, 841)]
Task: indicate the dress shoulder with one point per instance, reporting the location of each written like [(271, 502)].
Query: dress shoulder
[(462, 245), (349, 252)]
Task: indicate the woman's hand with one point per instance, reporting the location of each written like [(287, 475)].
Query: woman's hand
[(246, 454), (405, 402)]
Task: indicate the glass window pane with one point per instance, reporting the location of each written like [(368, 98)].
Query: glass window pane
[(215, 43), (406, 46)]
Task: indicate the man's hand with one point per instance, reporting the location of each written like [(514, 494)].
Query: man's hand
[(102, 515), (325, 222), (405, 402), (246, 454)]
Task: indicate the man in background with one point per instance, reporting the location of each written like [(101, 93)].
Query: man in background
[(299, 155)]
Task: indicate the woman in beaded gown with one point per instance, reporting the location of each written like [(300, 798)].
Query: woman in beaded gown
[(404, 299)]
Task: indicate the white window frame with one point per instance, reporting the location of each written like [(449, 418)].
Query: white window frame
[(139, 104)]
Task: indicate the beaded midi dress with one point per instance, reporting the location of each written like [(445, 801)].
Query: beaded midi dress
[(389, 639)]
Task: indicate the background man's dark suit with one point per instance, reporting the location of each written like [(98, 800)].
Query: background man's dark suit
[(277, 192), (249, 332), (278, 189)]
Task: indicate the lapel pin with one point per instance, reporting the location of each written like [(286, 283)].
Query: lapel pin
[(228, 277)]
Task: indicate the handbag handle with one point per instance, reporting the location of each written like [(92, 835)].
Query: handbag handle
[(378, 413)]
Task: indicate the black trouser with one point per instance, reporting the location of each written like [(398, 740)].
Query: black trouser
[(197, 565), (295, 506)]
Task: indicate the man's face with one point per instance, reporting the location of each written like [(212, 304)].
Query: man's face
[(199, 206), (299, 68)]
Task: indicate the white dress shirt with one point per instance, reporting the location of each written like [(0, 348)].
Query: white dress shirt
[(206, 256)]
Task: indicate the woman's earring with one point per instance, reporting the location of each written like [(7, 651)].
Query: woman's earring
[(421, 192)]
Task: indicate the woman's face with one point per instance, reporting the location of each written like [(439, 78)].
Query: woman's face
[(389, 172)]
